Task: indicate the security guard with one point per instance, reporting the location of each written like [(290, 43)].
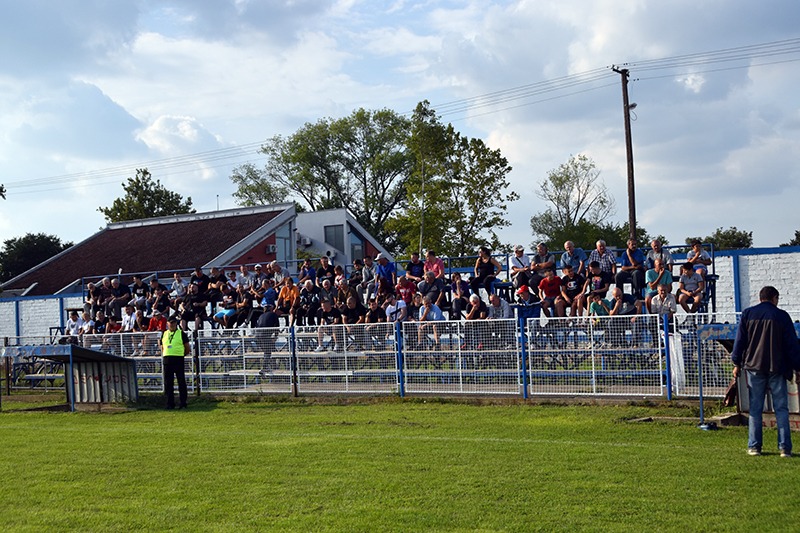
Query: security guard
[(174, 346)]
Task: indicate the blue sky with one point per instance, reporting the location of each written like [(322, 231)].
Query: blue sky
[(92, 90)]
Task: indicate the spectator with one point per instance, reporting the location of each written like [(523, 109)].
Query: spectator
[(690, 288), (433, 286), (357, 276), (140, 292), (699, 258), (654, 278), (632, 269), (105, 295), (287, 297), (385, 275), (474, 331), (140, 321), (415, 307), (267, 296), (624, 304), (87, 325), (396, 310), (308, 304), (120, 296), (227, 305), (527, 306), (428, 316), (112, 326), (325, 271), (498, 308), (328, 317), (92, 302), (415, 269), (326, 292), (486, 270), (178, 290), (540, 263), (657, 251), (434, 264), (663, 302), (598, 281), (375, 314), (216, 281), (244, 305), (353, 312), (519, 266), (477, 308), (459, 294), (200, 279), (571, 293), (232, 280), (367, 285), (259, 275), (158, 322), (151, 300), (100, 323), (549, 290), (245, 277), (344, 292), (193, 307), (405, 289), (575, 257), (598, 306), (160, 300), (74, 324), (306, 273), (128, 319), (604, 257)]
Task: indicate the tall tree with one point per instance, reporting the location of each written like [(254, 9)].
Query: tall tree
[(580, 203), (23, 253), (727, 239), (145, 198), (359, 162)]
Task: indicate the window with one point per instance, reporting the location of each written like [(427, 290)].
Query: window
[(334, 236)]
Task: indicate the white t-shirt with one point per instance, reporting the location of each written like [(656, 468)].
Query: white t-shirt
[(394, 311)]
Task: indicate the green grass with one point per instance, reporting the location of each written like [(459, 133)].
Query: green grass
[(386, 466)]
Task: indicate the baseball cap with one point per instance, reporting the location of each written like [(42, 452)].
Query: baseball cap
[(522, 289)]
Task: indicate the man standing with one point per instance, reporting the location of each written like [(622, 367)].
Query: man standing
[(174, 347), (766, 347)]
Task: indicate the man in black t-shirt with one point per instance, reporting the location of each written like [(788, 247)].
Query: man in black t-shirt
[(139, 293), (193, 307), (329, 318), (415, 269), (597, 281), (200, 279)]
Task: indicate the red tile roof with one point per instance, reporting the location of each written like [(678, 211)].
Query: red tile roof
[(166, 246)]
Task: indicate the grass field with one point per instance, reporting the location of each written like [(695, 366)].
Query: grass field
[(389, 465)]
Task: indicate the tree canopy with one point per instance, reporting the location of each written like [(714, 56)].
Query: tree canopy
[(727, 239), (145, 198), (399, 177), (23, 253), (795, 241)]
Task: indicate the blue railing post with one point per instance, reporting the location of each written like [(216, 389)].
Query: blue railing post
[(700, 383), (401, 376), (665, 322), (293, 361), (523, 356)]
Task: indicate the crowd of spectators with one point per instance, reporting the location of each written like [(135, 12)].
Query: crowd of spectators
[(371, 291)]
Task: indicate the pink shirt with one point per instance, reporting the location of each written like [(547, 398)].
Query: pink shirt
[(436, 266)]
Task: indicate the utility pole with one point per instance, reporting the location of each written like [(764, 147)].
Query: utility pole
[(626, 108)]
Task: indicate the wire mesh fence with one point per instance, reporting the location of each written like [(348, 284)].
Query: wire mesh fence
[(613, 355), (600, 356), (474, 357)]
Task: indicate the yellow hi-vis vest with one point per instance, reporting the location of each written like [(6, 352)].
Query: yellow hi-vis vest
[(172, 343)]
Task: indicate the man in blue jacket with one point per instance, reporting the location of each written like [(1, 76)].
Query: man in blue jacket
[(766, 347)]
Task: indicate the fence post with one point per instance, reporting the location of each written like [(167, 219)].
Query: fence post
[(702, 424), (401, 377), (196, 361), (293, 361), (665, 329), (523, 355)]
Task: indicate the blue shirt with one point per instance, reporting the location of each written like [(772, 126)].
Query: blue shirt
[(638, 256), (574, 260), (434, 313), (386, 271)]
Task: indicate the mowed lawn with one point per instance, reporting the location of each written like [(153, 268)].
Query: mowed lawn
[(386, 466)]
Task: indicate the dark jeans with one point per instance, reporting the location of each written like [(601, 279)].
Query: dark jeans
[(174, 368), (634, 277)]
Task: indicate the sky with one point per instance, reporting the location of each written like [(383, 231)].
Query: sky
[(92, 90)]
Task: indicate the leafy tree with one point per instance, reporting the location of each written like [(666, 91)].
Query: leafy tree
[(795, 241), (145, 198), (23, 253), (359, 162), (727, 239), (457, 193), (3, 192), (580, 203)]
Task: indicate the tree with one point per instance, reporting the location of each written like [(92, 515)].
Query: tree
[(457, 194), (359, 162), (580, 203), (795, 241), (727, 239), (23, 253), (145, 198), (3, 192)]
